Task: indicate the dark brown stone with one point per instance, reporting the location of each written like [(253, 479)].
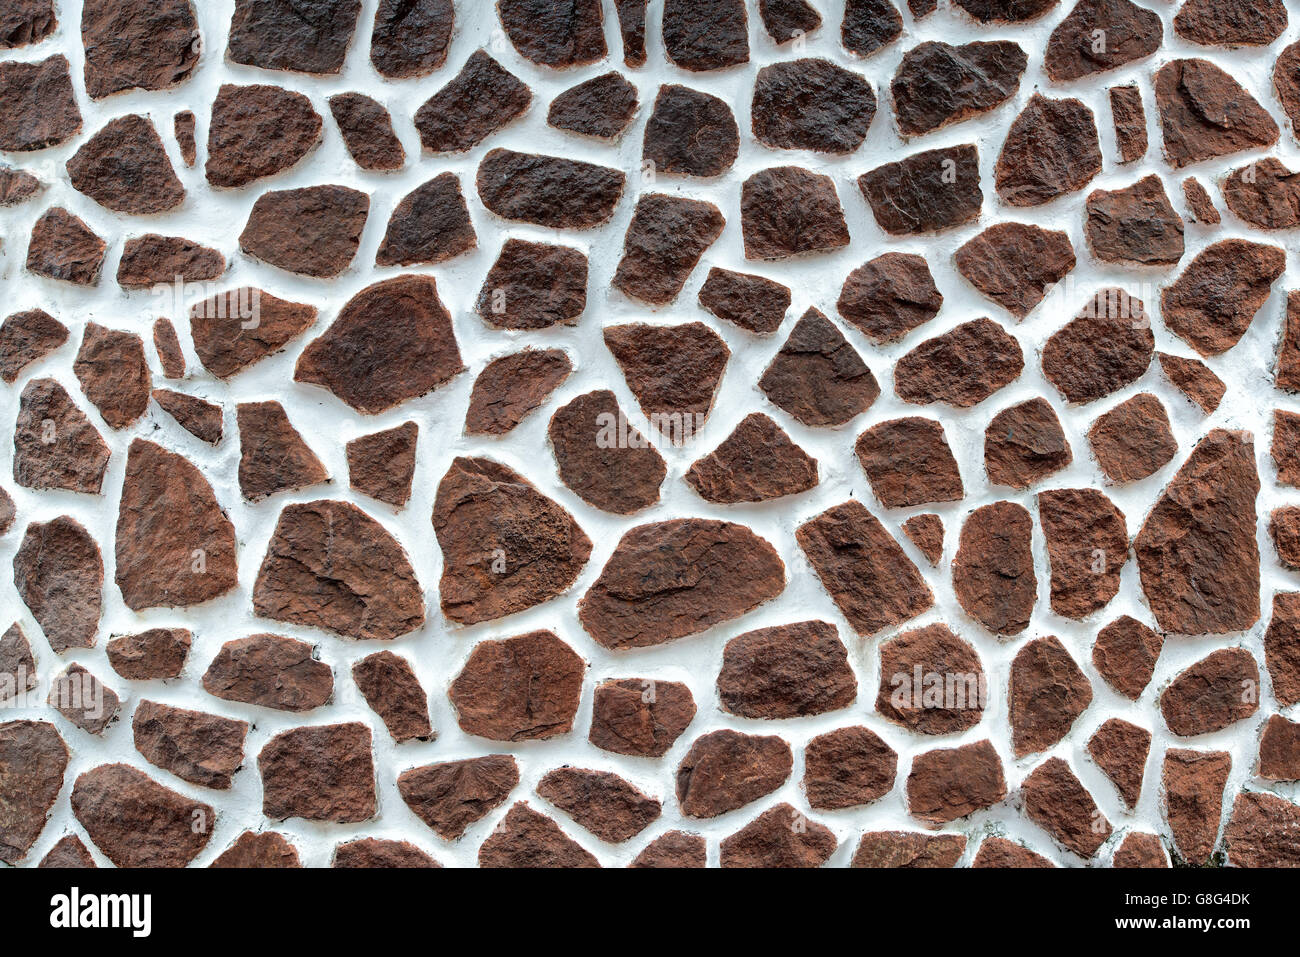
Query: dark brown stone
[(481, 99), (270, 671), (278, 35), (158, 653), (631, 25), (235, 329), (312, 232), (1024, 444), (320, 773), (909, 849), (663, 244), (675, 849), (779, 837), (382, 465), (890, 296), (865, 571), (40, 107), (1125, 655), (926, 192), (1136, 225), (136, 822), (1265, 194), (1140, 851), (1286, 371), (17, 666), (1076, 49), (27, 21), (133, 47), (113, 373), (533, 286), (811, 104), (725, 770), (1282, 647), (993, 571), (204, 749), (1016, 264), (28, 337), (786, 20), (931, 682), (1284, 529), (690, 133), (154, 260), (548, 190), (1130, 120), (1087, 548), (258, 131), (818, 377), (258, 850), (638, 716), (998, 852), (603, 803), (527, 839), (32, 760), (555, 33), (17, 186), (1006, 11), (1193, 783), (1133, 440), (8, 512), (673, 371), (1262, 831), (512, 386), (603, 458), (63, 247), (788, 211), (55, 446), (756, 463), (848, 767), (125, 169), (937, 84), (1120, 750), (1050, 150), (949, 783), (1219, 690), (701, 35), (869, 25), (183, 125), (1286, 447), (451, 796), (59, 576), (273, 457), (390, 687), (1279, 750), (1107, 346), (376, 853), (1205, 113), (751, 302), (1194, 379), (367, 132), (1286, 81), (83, 699), (1056, 801), (786, 671), (411, 37), (909, 463), (920, 9), (203, 420), (524, 688), (68, 854), (926, 533), (1230, 23), (1199, 203), (602, 107), (1047, 693)]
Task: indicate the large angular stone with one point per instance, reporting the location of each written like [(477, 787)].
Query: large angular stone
[(136, 821), (702, 35), (1136, 225), (931, 681), (319, 773), (889, 296), (40, 108), (1231, 23), (664, 242), (134, 47), (27, 21), (113, 373), (1024, 444), (1265, 194), (1056, 801), (926, 192), (602, 107), (817, 376), (273, 457), (258, 131), (603, 803), (869, 25), (754, 303), (1015, 264), (1076, 49), (411, 37), (725, 770), (548, 190), (779, 837), (641, 717), (512, 386), (153, 260), (32, 760), (1216, 692), (390, 687), (63, 247), (1205, 113), (125, 169), (527, 839), (1261, 831), (382, 464), (1213, 302), (55, 446), (204, 749), (59, 575), (451, 796), (949, 783), (1125, 654), (690, 133), (1047, 693), (993, 572), (28, 337), (848, 767), (1087, 548), (533, 286), (811, 104), (756, 463), (281, 35), (604, 459), (270, 671), (1050, 150), (235, 329), (481, 99), (937, 83), (555, 33), (962, 367), (1107, 346), (312, 232), (1193, 783), (786, 671), (1133, 440), (673, 371), (908, 462), (367, 130), (788, 211), (524, 688)]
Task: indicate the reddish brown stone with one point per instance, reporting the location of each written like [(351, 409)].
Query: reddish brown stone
[(276, 35), (1120, 750), (136, 822), (701, 35), (890, 296), (756, 463), (1130, 123), (1284, 529), (203, 420), (603, 803), (1056, 801), (1136, 225), (1262, 831), (68, 854), (59, 576), (865, 571), (451, 796), (920, 9), (1128, 33), (258, 131), (786, 671), (1105, 347), (779, 837), (818, 377), (690, 133), (675, 849), (63, 247), (926, 533), (1286, 370), (603, 458), (390, 687), (270, 671), (909, 849), (1193, 783), (1219, 690), (1265, 194), (602, 107), (725, 770), (811, 104), (848, 767), (931, 682), (949, 783), (8, 511), (27, 21), (153, 260), (150, 655), (40, 107), (1286, 447), (183, 125), (17, 666), (124, 168), (204, 749), (555, 33), (235, 329), (375, 853), (1015, 264), (512, 386), (1212, 303), (83, 699), (1199, 203), (1279, 750), (1205, 113), (937, 84), (1194, 379), (664, 242), (1133, 440), (1125, 655), (631, 24), (382, 465), (1282, 647), (993, 571), (32, 760), (999, 852), (534, 285), (175, 546), (1140, 850), (527, 839), (1047, 693), (367, 132), (926, 192), (1050, 150), (751, 302), (1024, 444), (788, 211), (312, 232), (113, 373), (1286, 81), (431, 225), (1006, 11), (548, 190), (673, 371), (27, 337), (869, 25), (320, 773), (1087, 547), (130, 47), (639, 716), (505, 545), (258, 850), (330, 565), (273, 457), (55, 446), (909, 463), (1230, 23), (17, 186), (411, 37), (519, 689)]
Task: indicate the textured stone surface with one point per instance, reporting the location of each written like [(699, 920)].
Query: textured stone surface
[(27, 21), (1193, 783), (1001, 853), (28, 337), (1135, 225), (1128, 33), (113, 373), (313, 232), (1205, 113), (391, 688), (40, 107), (519, 689), (1219, 690), (909, 849), (534, 285), (1133, 440), (83, 699), (278, 35), (779, 837), (1286, 447), (811, 104), (786, 671), (1261, 831), (235, 329), (1120, 749), (1056, 801), (673, 371), (137, 822), (451, 796), (1231, 23), (68, 853), (149, 655), (926, 192), (938, 83), (908, 462), (377, 853), (993, 571), (1194, 379), (631, 25), (512, 386), (17, 186), (273, 457), (270, 671), (664, 242), (125, 169), (33, 758), (616, 476), (690, 133), (869, 25), (1212, 304), (63, 247), (481, 99), (1050, 150), (725, 770), (602, 107), (382, 464), (817, 376), (59, 575), (203, 420), (1125, 654), (183, 127), (319, 773), (251, 849), (603, 803), (55, 445), (751, 302), (1015, 264), (527, 839), (1265, 194), (638, 716), (1087, 547), (1108, 345), (17, 666), (257, 131), (1130, 121), (152, 259), (1024, 444), (1047, 693), (555, 34), (926, 533), (674, 849), (756, 463), (1284, 529), (204, 749), (701, 35), (949, 783), (548, 190), (411, 37), (367, 132), (847, 768), (931, 681), (788, 211), (429, 225), (889, 296), (1140, 850)]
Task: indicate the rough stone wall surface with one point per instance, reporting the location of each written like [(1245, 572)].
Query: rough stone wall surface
[(679, 650)]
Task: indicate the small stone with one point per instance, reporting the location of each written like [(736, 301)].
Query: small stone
[(59, 576), (258, 131), (17, 666), (63, 247), (411, 37), (1286, 81), (1261, 831), (1136, 225), (136, 822), (505, 545), (158, 653), (1265, 194), (40, 108), (908, 462), (382, 465), (1006, 11), (1219, 690), (674, 849), (1120, 750), (1024, 444), (1016, 264), (993, 572), (270, 671), (129, 47), (1194, 379), (235, 329), (1047, 693), (25, 22), (17, 186), (1193, 783), (631, 24), (690, 133), (1107, 346), (7, 512), (1125, 655), (1130, 120), (1056, 801), (277, 35), (154, 260), (77, 458), (1286, 447), (534, 286), (949, 783), (273, 457), (375, 853), (638, 716), (28, 337), (311, 232), (606, 472), (203, 420), (926, 533), (920, 9), (83, 699), (818, 377), (330, 565), (390, 687), (999, 852), (1205, 113), (603, 803), (1230, 23), (68, 854), (752, 302), (701, 35), (32, 760), (663, 244), (931, 682), (1197, 553), (1129, 33), (865, 571), (725, 770), (811, 104), (1286, 372), (512, 386), (779, 837), (926, 192), (869, 25), (113, 373), (451, 796), (527, 839), (909, 849), (167, 344), (1199, 203), (555, 33), (937, 84), (1279, 750), (183, 125), (1282, 647), (787, 671), (667, 580), (125, 168), (788, 211), (848, 767), (320, 773), (524, 688), (548, 190), (786, 20), (1284, 529), (1050, 150), (756, 463), (1133, 440), (1087, 548), (673, 371), (204, 749), (890, 296), (367, 132), (481, 99), (393, 341), (602, 107), (1140, 850)]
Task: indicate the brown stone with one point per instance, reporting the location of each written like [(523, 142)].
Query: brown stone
[(1130, 120), (949, 783), (17, 666), (1047, 693), (258, 131), (1087, 548), (68, 854), (175, 547), (926, 192), (1107, 346), (32, 760), (273, 457), (1265, 194), (319, 773), (76, 458), (367, 132), (548, 190), (1282, 647), (150, 655), (779, 837), (1024, 444), (28, 337), (602, 107), (523, 688), (701, 35), (1015, 264), (1212, 303), (312, 232), (258, 850), (817, 376), (1286, 370), (1120, 750), (725, 770), (999, 852), (40, 107), (390, 687), (27, 21), (1133, 440), (113, 373), (1279, 750), (481, 99), (270, 671), (673, 371), (8, 511), (663, 244), (1262, 831), (909, 463), (811, 104), (690, 133), (1056, 801), (1194, 379), (1231, 23), (330, 565), (125, 168), (451, 796), (505, 545), (993, 571), (1284, 529), (674, 849), (1286, 447), (920, 9), (533, 286), (1136, 225), (631, 25), (1006, 11), (527, 839), (937, 84), (203, 420), (373, 852), (154, 260), (869, 25), (129, 47), (1140, 850), (136, 822), (931, 682), (63, 247), (1205, 113), (788, 211), (603, 803), (848, 767), (1125, 654), (512, 386), (382, 464), (1128, 33), (890, 296), (786, 671), (235, 329), (1050, 150), (1219, 690), (909, 849), (603, 458), (639, 716), (1286, 81), (1193, 783), (754, 303), (411, 37), (555, 33), (204, 749), (59, 576), (1199, 203), (276, 35), (183, 126), (17, 186), (865, 571), (83, 699), (756, 463), (926, 533)]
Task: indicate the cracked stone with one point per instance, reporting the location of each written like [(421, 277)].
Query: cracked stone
[(28, 337), (1140, 850), (1279, 750), (1205, 113), (555, 33), (786, 20), (33, 759), (24, 22), (183, 129), (909, 849), (83, 699), (1265, 194), (524, 688), (1006, 11), (17, 186), (1001, 853), (17, 666), (1231, 23), (378, 853), (926, 192), (1261, 831), (754, 303), (259, 850), (1282, 647), (702, 35), (204, 749), (68, 853), (1284, 529), (675, 849)]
